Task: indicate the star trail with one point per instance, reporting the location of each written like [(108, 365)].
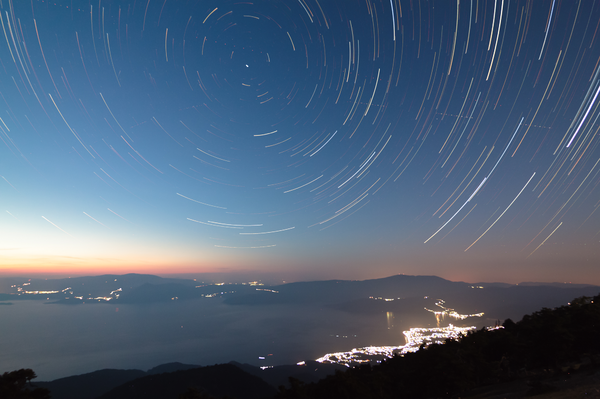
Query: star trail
[(315, 138)]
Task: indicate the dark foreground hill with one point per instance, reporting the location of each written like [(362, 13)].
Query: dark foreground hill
[(89, 386), (222, 380), (108, 382), (92, 385)]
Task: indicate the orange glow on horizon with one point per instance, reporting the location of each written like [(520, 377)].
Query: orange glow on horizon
[(87, 267)]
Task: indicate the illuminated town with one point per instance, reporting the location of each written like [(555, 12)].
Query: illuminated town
[(449, 312), (415, 339), (68, 294)]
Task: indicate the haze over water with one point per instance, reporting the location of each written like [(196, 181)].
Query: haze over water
[(61, 340)]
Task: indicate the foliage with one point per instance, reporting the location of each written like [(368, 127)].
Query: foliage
[(17, 385)]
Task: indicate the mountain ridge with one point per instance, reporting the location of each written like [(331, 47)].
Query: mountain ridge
[(102, 383)]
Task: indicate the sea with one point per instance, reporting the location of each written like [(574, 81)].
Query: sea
[(60, 340)]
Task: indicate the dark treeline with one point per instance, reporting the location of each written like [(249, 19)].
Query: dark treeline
[(545, 342), (17, 385)]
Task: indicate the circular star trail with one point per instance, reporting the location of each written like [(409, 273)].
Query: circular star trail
[(398, 135)]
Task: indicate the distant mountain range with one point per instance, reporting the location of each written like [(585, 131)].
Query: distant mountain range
[(399, 293)]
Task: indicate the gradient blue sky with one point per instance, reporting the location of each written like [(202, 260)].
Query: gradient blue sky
[(304, 139)]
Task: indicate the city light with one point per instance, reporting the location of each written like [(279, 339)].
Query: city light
[(415, 337)]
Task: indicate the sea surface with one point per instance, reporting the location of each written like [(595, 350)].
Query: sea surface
[(57, 340)]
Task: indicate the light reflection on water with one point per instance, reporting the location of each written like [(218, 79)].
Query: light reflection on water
[(62, 340)]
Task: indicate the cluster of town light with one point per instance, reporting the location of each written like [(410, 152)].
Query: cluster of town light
[(415, 338), (450, 312)]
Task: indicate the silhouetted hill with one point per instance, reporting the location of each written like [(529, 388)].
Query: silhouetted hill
[(338, 291), (219, 380), (150, 293), (407, 295), (171, 367), (95, 384), (90, 385), (559, 285), (311, 371)]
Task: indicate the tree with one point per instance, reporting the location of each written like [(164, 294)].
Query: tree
[(17, 385)]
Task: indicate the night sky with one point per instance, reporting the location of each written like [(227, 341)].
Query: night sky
[(305, 139)]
